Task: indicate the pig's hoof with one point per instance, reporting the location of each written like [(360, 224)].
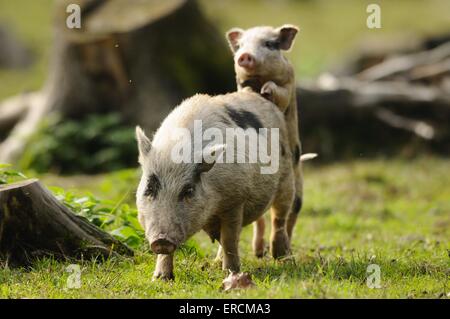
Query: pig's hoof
[(247, 89), (237, 281), (280, 249), (267, 90), (259, 250), (163, 276)]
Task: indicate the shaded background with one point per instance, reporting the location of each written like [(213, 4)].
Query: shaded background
[(333, 37), (329, 29)]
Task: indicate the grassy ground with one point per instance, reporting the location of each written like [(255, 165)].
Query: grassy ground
[(392, 213)]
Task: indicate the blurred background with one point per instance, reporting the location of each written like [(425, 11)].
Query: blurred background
[(72, 97)]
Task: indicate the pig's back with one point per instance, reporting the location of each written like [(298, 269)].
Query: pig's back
[(244, 182), (244, 110), (213, 109), (234, 182)]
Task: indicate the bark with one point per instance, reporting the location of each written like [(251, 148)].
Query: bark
[(344, 117), (13, 54)]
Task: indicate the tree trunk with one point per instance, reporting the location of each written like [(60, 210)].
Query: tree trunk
[(33, 224), (128, 57)]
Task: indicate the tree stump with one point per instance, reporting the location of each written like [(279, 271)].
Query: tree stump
[(34, 224), (138, 58)]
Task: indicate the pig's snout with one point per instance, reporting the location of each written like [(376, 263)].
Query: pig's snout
[(162, 245), (247, 61)]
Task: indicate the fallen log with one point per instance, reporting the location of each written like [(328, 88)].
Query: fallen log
[(336, 97), (24, 114), (12, 110), (34, 224), (403, 64), (343, 117)]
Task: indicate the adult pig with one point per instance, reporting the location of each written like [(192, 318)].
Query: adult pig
[(205, 189)]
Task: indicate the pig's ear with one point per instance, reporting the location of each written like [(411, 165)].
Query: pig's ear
[(144, 144), (211, 155), (233, 37), (287, 35)]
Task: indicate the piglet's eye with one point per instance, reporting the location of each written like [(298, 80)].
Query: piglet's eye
[(271, 45)]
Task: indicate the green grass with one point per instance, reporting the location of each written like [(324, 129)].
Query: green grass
[(393, 213)]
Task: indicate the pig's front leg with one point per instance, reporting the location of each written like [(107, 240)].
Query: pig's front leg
[(164, 267), (229, 239), (279, 95), (246, 89)]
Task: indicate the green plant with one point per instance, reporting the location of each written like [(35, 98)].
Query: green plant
[(118, 219), (96, 143), (8, 175)]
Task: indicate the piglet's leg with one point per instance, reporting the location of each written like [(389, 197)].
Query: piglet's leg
[(164, 267), (279, 95), (219, 255), (258, 237)]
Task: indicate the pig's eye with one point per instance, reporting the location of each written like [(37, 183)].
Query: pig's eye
[(271, 45), (153, 186), (187, 192)]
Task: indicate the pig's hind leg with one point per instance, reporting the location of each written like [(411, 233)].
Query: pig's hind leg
[(258, 237), (219, 255), (280, 210), (298, 201)]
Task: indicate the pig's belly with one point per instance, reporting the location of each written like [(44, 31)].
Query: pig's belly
[(260, 197), (253, 209)]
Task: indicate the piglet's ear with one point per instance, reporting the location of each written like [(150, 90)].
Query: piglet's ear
[(233, 37), (144, 144), (287, 35), (211, 155)]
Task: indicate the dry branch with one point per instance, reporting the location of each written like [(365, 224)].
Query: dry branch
[(405, 63)]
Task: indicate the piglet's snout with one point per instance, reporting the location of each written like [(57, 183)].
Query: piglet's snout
[(163, 245), (246, 60)]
